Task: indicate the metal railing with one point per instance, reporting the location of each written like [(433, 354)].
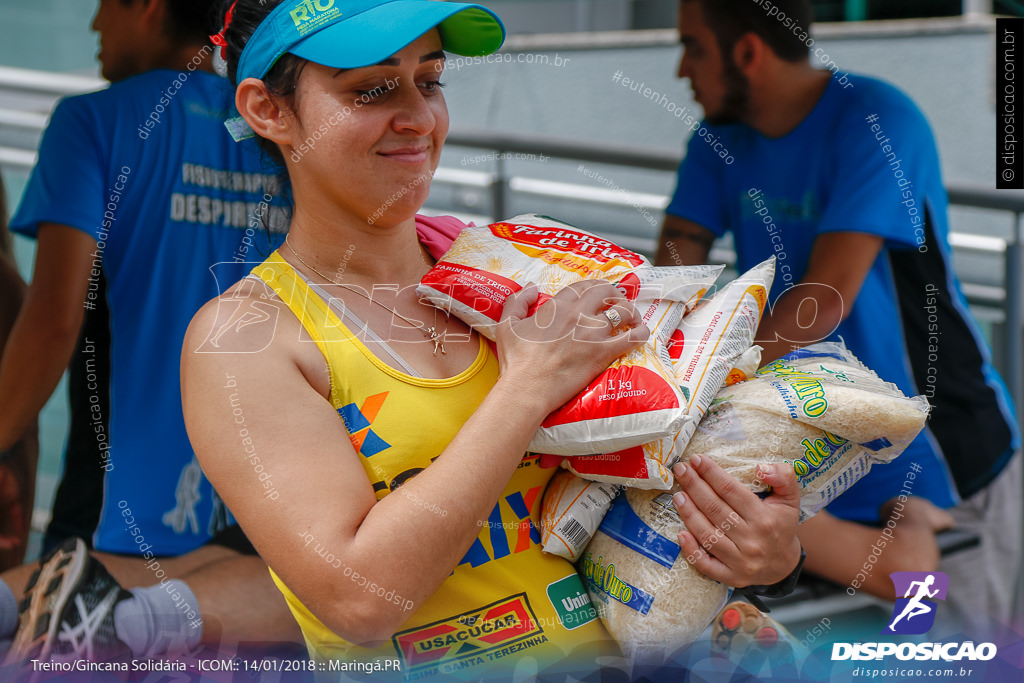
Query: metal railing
[(500, 185), (46, 82)]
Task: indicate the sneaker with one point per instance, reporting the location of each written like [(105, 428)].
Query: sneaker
[(741, 628), (68, 609), (20, 649)]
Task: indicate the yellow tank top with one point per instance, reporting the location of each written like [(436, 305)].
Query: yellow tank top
[(506, 600)]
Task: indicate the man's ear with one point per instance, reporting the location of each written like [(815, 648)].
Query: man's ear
[(266, 115), (151, 16), (749, 53)]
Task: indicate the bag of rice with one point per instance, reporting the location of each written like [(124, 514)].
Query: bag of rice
[(571, 511), (746, 425), (825, 386), (636, 400), (711, 343), (651, 600)]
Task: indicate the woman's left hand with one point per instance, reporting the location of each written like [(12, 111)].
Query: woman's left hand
[(731, 535)]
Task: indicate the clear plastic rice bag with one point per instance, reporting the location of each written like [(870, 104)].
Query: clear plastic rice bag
[(820, 410), (651, 600)]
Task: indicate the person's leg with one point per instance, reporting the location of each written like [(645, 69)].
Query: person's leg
[(215, 594), (135, 572), (130, 572), (984, 582), (239, 602), (17, 493), (16, 577), (233, 594)]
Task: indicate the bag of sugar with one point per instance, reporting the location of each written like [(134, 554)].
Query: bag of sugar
[(571, 511)]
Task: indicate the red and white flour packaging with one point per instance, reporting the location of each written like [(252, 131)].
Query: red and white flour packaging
[(485, 265), (712, 343), (718, 332), (636, 399), (641, 467), (571, 512)]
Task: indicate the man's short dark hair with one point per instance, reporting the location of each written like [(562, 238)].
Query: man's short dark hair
[(193, 20), (779, 23)]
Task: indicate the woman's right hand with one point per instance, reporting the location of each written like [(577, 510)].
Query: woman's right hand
[(558, 350)]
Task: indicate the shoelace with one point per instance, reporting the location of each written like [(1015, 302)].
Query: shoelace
[(89, 623)]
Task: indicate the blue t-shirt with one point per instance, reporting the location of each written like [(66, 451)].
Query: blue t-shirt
[(147, 168), (864, 160)]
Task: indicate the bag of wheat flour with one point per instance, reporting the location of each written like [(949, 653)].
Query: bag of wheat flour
[(711, 343), (487, 264), (636, 399), (745, 366)]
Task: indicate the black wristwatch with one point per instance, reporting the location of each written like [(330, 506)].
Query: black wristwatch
[(782, 588)]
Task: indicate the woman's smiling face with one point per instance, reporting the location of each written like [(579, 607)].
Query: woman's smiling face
[(372, 135)]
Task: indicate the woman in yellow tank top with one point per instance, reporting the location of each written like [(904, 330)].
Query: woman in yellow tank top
[(371, 447)]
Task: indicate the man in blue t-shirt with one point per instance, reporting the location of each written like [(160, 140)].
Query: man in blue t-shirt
[(143, 208), (838, 176)]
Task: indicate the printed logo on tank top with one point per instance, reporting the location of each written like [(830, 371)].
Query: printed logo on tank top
[(469, 639), (358, 421), (508, 530)]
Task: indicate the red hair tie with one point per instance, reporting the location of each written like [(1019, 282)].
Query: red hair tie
[(219, 38)]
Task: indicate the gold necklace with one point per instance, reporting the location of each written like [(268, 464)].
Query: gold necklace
[(430, 332)]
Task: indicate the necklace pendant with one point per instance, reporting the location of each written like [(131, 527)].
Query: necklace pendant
[(437, 338)]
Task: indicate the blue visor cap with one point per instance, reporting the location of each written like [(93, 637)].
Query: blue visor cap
[(347, 34)]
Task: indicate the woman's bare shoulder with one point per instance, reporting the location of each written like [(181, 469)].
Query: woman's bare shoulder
[(246, 318)]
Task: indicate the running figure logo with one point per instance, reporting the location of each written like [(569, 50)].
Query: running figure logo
[(914, 612)]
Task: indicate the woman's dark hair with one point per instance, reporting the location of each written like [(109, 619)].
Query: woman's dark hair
[(730, 20), (282, 77), (280, 80)]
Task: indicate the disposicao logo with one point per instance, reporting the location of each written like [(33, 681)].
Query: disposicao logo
[(914, 614)]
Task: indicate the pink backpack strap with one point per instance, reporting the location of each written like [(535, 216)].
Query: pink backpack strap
[(437, 233)]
